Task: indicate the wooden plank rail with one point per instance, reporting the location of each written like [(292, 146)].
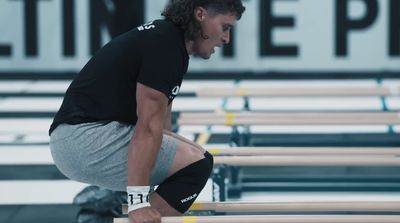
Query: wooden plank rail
[(252, 151), (294, 206), (289, 118), (310, 160), (279, 219), (299, 91)]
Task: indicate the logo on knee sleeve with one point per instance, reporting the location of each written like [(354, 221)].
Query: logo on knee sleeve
[(189, 198)]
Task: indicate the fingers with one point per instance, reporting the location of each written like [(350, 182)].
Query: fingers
[(145, 215)]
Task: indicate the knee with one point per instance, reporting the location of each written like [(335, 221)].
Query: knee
[(209, 164), (181, 189), (201, 169), (198, 171), (197, 153)]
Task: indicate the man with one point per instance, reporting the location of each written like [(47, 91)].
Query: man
[(114, 126)]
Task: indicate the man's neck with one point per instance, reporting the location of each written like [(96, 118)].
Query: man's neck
[(189, 46)]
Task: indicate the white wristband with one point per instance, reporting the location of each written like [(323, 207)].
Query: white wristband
[(138, 197)]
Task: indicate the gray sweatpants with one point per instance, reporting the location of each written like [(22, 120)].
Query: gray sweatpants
[(97, 154)]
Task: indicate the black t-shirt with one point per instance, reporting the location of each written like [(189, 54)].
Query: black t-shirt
[(153, 54)]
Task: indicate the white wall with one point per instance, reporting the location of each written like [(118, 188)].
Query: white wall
[(313, 33)]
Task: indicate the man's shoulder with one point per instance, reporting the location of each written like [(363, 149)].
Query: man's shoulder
[(160, 27), (161, 32)]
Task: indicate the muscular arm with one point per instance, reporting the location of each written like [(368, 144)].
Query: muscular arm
[(168, 119), (146, 140)]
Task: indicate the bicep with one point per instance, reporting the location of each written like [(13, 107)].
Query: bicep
[(169, 110), (151, 105), (168, 118)]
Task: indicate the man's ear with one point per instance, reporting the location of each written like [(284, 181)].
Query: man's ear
[(199, 13)]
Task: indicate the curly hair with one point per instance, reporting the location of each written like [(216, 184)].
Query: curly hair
[(181, 13)]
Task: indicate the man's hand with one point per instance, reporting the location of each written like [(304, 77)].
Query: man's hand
[(145, 215)]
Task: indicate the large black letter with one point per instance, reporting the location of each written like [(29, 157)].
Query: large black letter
[(127, 15), (31, 29), (267, 23), (98, 17), (68, 28), (228, 50), (394, 28), (5, 50), (344, 24)]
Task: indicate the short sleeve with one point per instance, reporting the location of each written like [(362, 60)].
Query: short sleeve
[(161, 64)]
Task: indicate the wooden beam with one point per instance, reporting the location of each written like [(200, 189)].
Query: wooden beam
[(279, 219), (250, 151), (295, 206), (289, 118), (310, 160), (340, 91)]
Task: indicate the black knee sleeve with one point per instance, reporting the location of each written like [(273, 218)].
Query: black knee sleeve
[(181, 189)]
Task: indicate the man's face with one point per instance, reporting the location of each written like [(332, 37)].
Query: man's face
[(216, 30)]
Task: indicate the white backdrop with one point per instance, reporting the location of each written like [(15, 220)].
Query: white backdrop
[(313, 33)]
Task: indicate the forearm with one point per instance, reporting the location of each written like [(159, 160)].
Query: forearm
[(142, 154), (168, 119), (147, 136), (168, 124)]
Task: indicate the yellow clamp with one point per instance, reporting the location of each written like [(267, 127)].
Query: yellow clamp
[(213, 151), (197, 206), (229, 118), (203, 138), (189, 219), (242, 91)]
